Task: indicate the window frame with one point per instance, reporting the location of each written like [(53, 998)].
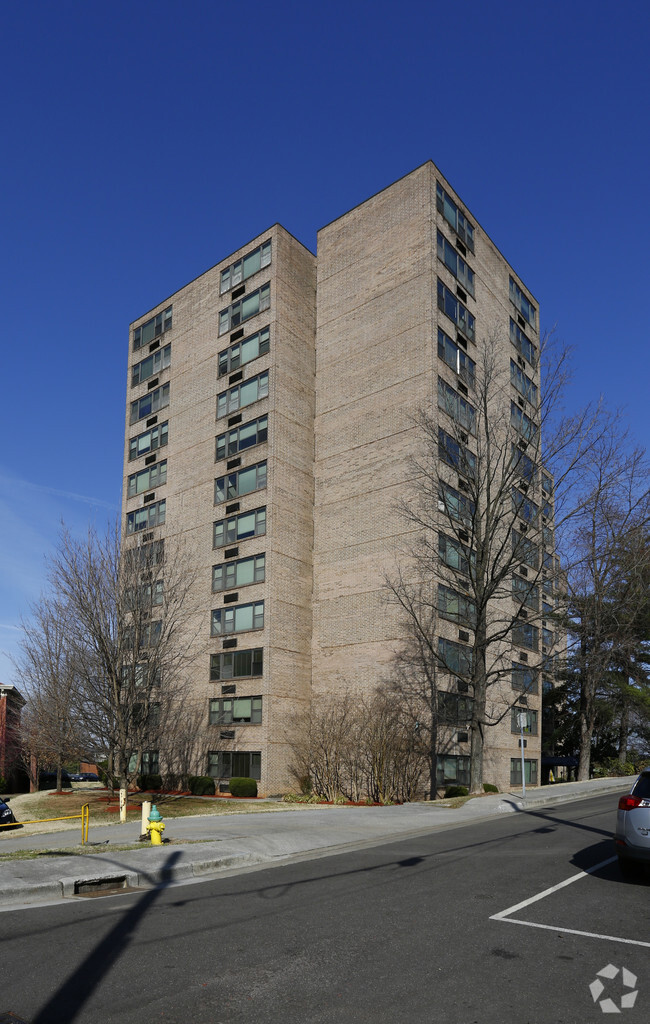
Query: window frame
[(147, 479), (234, 315), (231, 358), (228, 278), (237, 538), (230, 401), (159, 399), (464, 320), (259, 572), (162, 439), (223, 621), (256, 660), (160, 360), (238, 483), (162, 322)]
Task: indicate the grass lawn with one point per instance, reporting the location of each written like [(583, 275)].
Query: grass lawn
[(104, 808)]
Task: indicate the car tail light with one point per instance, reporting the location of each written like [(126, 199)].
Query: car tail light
[(628, 803)]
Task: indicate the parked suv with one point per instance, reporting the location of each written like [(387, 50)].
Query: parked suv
[(632, 836)]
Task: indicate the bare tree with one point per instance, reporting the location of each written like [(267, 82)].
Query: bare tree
[(52, 732), (607, 587), (130, 611), (494, 475)]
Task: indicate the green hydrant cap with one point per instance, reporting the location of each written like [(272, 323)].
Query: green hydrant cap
[(155, 814)]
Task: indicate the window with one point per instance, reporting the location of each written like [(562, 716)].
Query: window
[(456, 658), (248, 524), (525, 593), (459, 222), (154, 363), (246, 267), (229, 764), (146, 556), (454, 356), (547, 484), (548, 637), (530, 728), (151, 440), (243, 394), (524, 347), (244, 481), (244, 351), (148, 635), (454, 707), (455, 504), (455, 406), (454, 554), (455, 263), (524, 678), (455, 606), (150, 762), (238, 618), (236, 664), (235, 710), (240, 438), (523, 465), (530, 768), (456, 311), (525, 550), (522, 383), (239, 573), (547, 536), (142, 674), (244, 309), (522, 423), (147, 479), (152, 328), (523, 304), (455, 454), (525, 635), (147, 517), (524, 507), (452, 770), (150, 403)]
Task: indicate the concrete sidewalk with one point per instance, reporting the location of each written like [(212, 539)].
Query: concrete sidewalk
[(204, 845)]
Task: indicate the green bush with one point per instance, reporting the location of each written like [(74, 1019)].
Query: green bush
[(243, 787), (201, 785), (489, 788), (149, 782), (456, 791), (3, 783)]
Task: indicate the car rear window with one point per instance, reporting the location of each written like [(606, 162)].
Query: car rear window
[(642, 786)]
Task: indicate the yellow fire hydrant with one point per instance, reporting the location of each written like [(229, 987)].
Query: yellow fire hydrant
[(155, 826)]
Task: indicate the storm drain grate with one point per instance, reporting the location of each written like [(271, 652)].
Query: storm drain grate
[(103, 887)]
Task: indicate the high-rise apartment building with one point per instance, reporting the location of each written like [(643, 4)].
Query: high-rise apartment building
[(270, 425)]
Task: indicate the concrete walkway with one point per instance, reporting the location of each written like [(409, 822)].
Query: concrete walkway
[(201, 846)]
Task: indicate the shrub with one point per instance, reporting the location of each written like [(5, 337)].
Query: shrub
[(489, 788), (456, 791), (201, 785), (3, 784), (149, 782), (243, 787)]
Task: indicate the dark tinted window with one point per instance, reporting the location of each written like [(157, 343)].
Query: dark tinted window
[(642, 786)]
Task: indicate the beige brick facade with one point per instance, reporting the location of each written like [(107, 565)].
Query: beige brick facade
[(352, 356)]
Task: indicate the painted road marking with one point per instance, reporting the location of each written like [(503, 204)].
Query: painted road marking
[(504, 915)]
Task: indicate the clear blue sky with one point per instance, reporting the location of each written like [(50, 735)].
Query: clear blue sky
[(143, 142)]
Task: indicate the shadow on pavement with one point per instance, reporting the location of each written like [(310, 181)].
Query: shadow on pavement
[(65, 1004)]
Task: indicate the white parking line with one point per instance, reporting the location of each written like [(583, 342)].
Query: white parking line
[(504, 915)]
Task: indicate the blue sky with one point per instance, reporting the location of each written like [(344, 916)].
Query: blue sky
[(143, 142)]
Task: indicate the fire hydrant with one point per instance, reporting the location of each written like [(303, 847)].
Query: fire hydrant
[(155, 826)]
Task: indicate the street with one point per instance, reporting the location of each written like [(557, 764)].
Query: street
[(420, 931)]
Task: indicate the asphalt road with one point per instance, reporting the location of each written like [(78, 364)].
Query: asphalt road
[(402, 932)]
